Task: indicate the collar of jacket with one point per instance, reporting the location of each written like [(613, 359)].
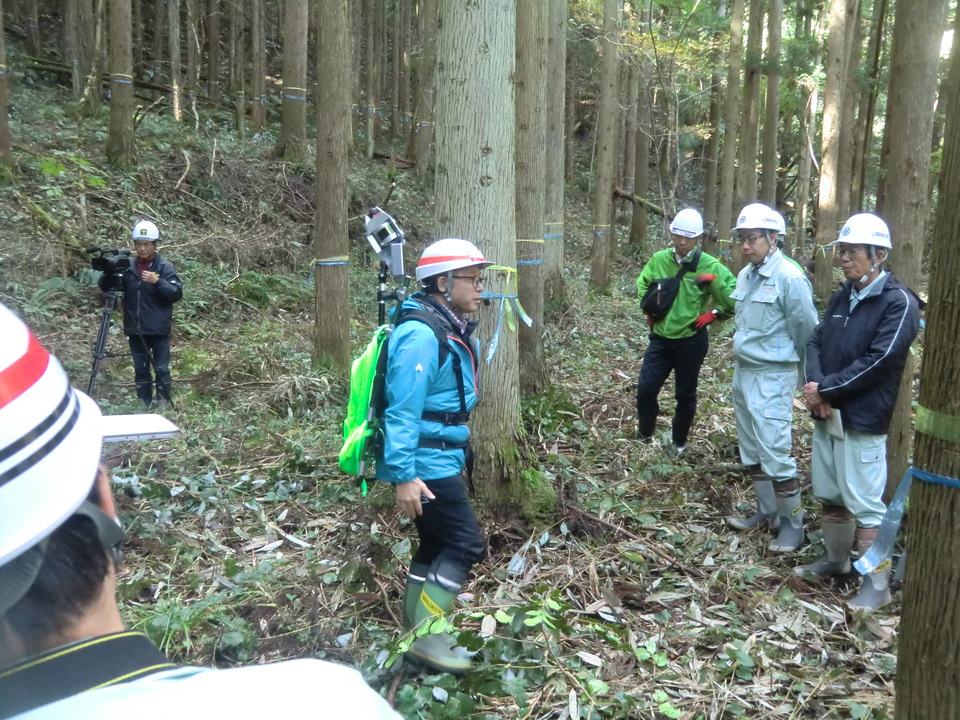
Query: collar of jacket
[(69, 670)]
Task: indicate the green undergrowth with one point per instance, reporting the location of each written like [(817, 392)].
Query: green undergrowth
[(246, 544)]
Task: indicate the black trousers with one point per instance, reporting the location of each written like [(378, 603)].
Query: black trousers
[(450, 538), (685, 358), (151, 351)]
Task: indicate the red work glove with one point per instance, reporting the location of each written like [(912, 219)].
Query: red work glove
[(704, 280), (705, 319)]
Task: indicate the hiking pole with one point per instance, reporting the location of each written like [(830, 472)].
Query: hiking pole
[(387, 240)]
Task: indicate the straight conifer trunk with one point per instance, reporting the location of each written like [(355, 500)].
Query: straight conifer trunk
[(120, 144), (531, 49), (641, 165), (173, 55), (928, 666), (292, 143), (258, 57), (554, 292), (829, 210), (475, 178), (746, 191), (6, 156), (421, 132), (331, 340), (712, 159), (213, 51), (603, 242), (771, 122), (731, 115), (914, 65)]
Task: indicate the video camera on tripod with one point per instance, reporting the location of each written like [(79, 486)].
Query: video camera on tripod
[(112, 263)]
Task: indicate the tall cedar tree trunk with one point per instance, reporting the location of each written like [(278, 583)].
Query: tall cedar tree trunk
[(475, 134), (238, 65), (828, 204), (914, 65), (34, 46), (371, 66), (6, 156), (331, 338), (863, 138), (89, 17), (258, 58), (159, 27), (629, 152), (554, 290), (746, 191), (71, 41), (731, 115), (848, 108), (531, 48), (570, 116), (641, 163), (403, 68), (712, 158), (120, 144), (292, 143), (213, 51), (421, 133), (173, 55), (138, 66), (928, 666), (192, 36), (808, 131), (605, 152), (771, 123)]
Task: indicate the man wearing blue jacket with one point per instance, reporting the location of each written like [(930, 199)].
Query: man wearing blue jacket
[(150, 288), (855, 360), (431, 389)]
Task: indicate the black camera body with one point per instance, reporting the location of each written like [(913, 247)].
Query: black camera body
[(112, 263)]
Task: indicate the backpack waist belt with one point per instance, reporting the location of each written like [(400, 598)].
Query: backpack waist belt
[(457, 418), (441, 444)]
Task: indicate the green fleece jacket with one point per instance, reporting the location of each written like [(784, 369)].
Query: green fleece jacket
[(691, 300)]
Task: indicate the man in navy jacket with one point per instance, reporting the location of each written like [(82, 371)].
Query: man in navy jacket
[(854, 363)]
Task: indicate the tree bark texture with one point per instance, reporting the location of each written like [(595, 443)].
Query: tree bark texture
[(6, 156), (629, 151), (192, 36), (475, 134), (292, 143), (828, 205), (731, 115), (371, 66), (606, 151), (928, 665), (331, 340), (771, 109), (120, 143), (213, 51), (554, 291), (641, 165), (712, 159), (173, 55), (808, 131), (531, 49), (258, 58), (863, 140), (159, 28), (421, 132), (750, 111), (914, 66)]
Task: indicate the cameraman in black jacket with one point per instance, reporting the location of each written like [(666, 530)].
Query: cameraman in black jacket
[(151, 287)]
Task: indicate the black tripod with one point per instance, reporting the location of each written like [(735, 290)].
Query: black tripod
[(100, 349)]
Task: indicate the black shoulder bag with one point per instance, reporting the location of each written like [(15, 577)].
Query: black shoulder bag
[(661, 293)]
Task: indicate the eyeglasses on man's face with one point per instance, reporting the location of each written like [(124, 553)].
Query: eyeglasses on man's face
[(477, 280), (850, 251), (751, 239)]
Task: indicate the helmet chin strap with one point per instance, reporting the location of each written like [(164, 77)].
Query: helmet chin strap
[(446, 294), (873, 267)]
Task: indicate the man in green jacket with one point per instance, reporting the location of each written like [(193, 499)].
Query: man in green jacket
[(678, 342)]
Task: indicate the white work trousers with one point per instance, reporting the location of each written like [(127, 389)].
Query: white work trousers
[(851, 472), (763, 407)]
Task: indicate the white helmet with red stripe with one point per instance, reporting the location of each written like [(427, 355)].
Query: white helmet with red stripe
[(447, 255), (50, 437)]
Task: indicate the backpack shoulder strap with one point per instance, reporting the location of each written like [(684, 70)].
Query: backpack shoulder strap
[(439, 324), (692, 265)]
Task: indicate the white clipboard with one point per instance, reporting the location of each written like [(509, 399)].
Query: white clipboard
[(118, 428)]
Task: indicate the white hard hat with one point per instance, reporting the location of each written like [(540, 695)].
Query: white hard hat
[(50, 436), (687, 223), (145, 230), (757, 216), (449, 254), (781, 223), (865, 229)]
